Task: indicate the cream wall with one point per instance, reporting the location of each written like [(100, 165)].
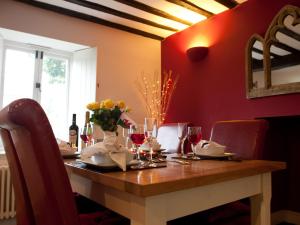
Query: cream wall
[(122, 56)]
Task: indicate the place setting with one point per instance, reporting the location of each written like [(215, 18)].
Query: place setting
[(201, 149), (113, 151)]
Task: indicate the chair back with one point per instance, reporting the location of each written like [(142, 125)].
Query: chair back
[(167, 136), (24, 213), (30, 143), (243, 137)]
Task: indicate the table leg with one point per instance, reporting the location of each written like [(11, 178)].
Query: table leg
[(260, 204), (150, 211)]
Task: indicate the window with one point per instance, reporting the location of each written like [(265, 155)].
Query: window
[(42, 75)]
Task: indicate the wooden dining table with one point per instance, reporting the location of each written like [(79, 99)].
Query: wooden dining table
[(155, 196)]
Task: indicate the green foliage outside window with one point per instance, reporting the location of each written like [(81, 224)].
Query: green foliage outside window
[(56, 68)]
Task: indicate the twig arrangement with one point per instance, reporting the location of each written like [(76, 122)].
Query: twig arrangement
[(157, 94)]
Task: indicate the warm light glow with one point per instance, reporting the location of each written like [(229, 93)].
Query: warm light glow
[(170, 23), (209, 5), (199, 41), (175, 10)]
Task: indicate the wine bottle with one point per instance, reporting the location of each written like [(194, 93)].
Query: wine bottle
[(73, 133)]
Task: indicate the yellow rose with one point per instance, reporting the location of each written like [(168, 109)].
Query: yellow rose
[(108, 103), (121, 104), (102, 105), (93, 106)]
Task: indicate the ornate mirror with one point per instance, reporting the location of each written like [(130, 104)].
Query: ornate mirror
[(273, 62)]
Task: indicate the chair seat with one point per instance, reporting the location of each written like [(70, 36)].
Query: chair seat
[(235, 213), (106, 217), (227, 212), (91, 213)]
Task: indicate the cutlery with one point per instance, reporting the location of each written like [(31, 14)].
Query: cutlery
[(182, 162)]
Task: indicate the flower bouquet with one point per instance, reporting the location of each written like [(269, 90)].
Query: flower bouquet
[(108, 114)]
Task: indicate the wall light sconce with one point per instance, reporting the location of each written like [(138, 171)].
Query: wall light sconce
[(197, 53)]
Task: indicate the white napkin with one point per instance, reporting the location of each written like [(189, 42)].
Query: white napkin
[(208, 148), (110, 149), (146, 146), (65, 148)]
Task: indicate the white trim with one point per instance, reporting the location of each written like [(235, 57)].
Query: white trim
[(287, 216), (21, 45)]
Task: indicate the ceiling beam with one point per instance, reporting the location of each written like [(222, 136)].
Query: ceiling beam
[(190, 6), (289, 33), (152, 10), (228, 3), (286, 47), (121, 14), (259, 51), (91, 19)]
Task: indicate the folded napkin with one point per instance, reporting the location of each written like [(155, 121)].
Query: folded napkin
[(108, 151), (208, 148), (65, 148), (146, 145)]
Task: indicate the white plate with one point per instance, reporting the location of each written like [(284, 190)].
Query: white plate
[(224, 155), (71, 156), (101, 162), (90, 162), (68, 153)]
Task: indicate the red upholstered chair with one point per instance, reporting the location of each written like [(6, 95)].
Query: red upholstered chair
[(246, 139), (167, 136), (43, 191), (243, 137)]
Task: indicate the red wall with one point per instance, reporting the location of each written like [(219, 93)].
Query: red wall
[(214, 88)]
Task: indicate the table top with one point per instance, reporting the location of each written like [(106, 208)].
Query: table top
[(174, 177)]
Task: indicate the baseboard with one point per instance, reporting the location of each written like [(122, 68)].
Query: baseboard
[(286, 216)]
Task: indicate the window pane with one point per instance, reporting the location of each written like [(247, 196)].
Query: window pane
[(18, 75), (54, 94)]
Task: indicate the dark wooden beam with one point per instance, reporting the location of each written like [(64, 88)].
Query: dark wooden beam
[(259, 51), (289, 33), (228, 3), (286, 47), (188, 5), (152, 10), (121, 14), (91, 19), (285, 61)]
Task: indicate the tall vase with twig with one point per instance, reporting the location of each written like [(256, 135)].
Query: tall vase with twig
[(156, 93)]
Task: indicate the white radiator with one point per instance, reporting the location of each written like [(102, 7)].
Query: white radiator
[(7, 195)]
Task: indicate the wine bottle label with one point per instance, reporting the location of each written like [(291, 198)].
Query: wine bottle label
[(72, 138)]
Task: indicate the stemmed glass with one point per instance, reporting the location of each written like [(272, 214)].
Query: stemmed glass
[(150, 128), (137, 136), (90, 134), (182, 134), (194, 136), (84, 138), (126, 137)]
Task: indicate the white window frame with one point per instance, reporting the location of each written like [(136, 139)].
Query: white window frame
[(38, 69)]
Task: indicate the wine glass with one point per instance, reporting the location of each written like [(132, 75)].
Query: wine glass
[(84, 137), (194, 136), (89, 133), (137, 136), (126, 137), (182, 134), (150, 128)]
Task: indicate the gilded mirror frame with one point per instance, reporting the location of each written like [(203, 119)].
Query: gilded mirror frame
[(270, 39)]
